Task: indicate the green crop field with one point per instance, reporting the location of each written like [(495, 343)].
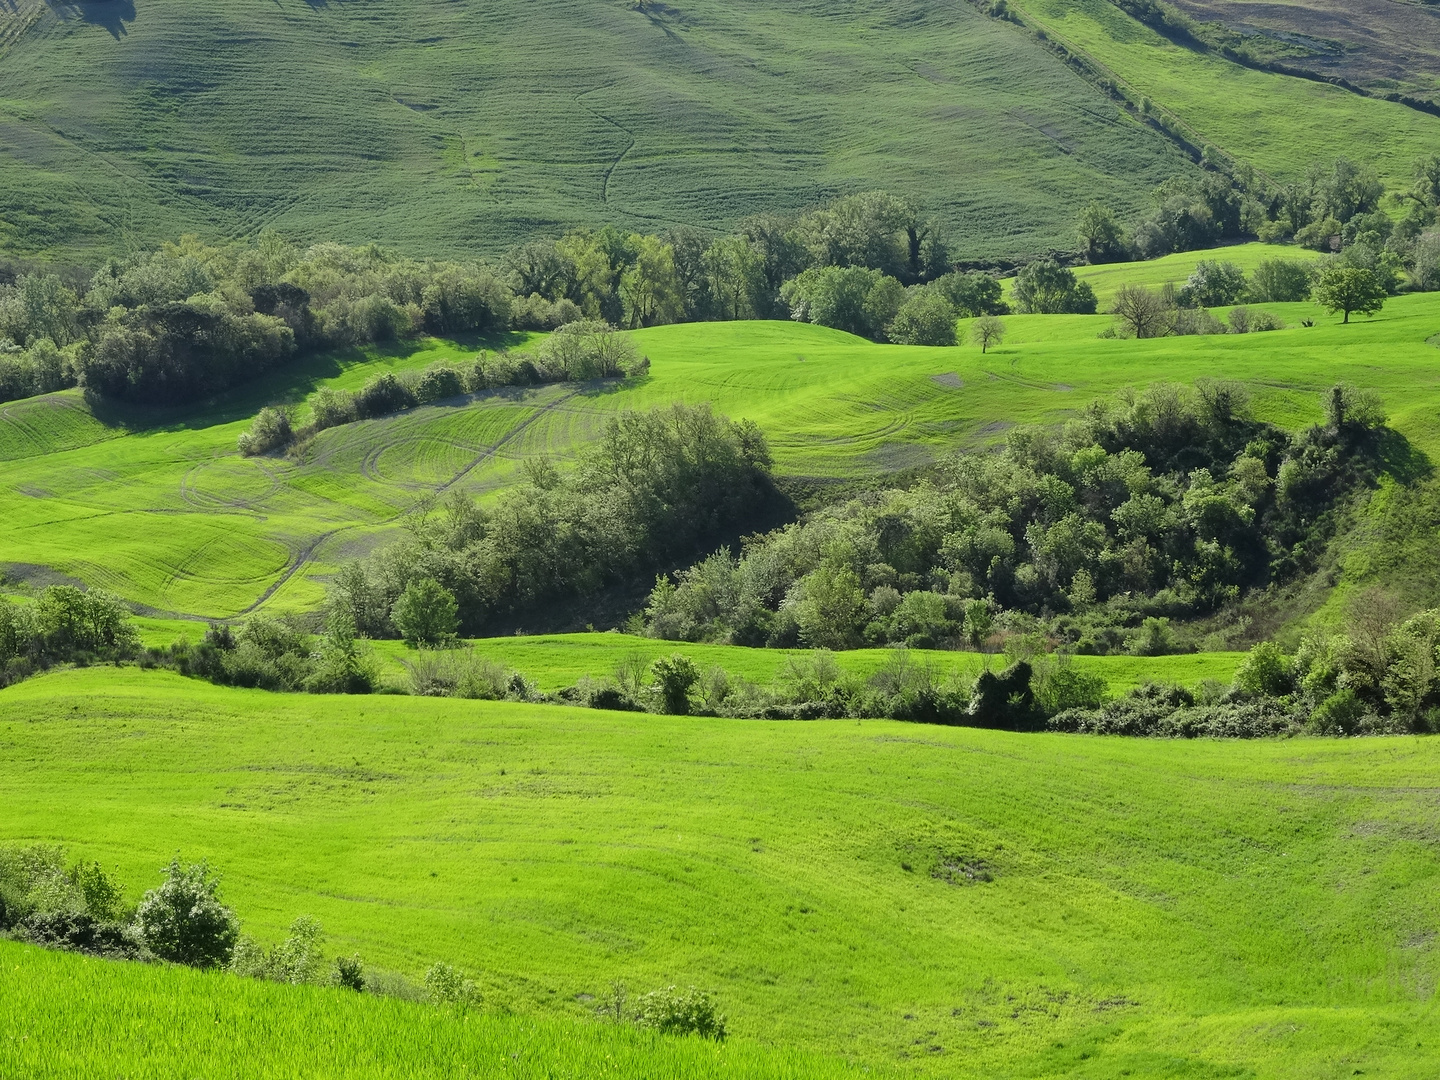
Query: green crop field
[(458, 129), (1157, 908), (1277, 123), (145, 1021), (160, 508)]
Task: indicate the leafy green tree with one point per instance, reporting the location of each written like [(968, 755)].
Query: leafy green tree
[(425, 614), (736, 273), (1101, 233), (540, 268), (855, 299), (650, 288), (1213, 284), (925, 318), (831, 609), (1282, 281), (972, 294), (184, 922), (1044, 287), (1348, 290)]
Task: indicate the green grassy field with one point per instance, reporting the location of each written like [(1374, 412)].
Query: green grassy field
[(172, 1022), (160, 508), (1277, 123), (1157, 909), (448, 129), (1107, 278), (555, 661)]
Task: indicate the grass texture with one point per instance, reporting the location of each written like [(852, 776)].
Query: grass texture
[(1158, 909), (460, 128), (73, 1018), (1277, 123)]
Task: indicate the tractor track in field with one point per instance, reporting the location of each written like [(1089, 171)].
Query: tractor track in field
[(307, 553)]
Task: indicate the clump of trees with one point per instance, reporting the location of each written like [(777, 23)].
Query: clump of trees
[(1166, 504), (655, 487), (274, 654), (63, 625)]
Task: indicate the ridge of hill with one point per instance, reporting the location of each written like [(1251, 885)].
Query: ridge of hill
[(462, 128)]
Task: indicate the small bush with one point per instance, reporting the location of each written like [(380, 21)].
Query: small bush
[(681, 1012), (349, 972), (183, 920), (295, 960), (674, 679), (331, 408), (445, 985), (1266, 672), (272, 429), (458, 673)]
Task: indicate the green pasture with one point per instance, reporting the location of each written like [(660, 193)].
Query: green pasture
[(71, 1017), (1108, 278), (1277, 123), (457, 130), (555, 661), (1156, 908), (159, 507)]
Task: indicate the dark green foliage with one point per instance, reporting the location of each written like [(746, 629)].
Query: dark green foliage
[(681, 1012), (674, 679), (1157, 506), (1171, 712), (1189, 213), (1213, 284), (1282, 281), (183, 920), (349, 972), (1045, 287), (272, 429), (1005, 700), (850, 298), (971, 294), (425, 613), (63, 624), (79, 906), (653, 488)]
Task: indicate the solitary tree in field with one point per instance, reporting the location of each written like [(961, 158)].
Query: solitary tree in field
[(1140, 313), (987, 331), (1347, 289)]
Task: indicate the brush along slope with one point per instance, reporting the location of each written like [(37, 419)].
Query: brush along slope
[(1167, 908)]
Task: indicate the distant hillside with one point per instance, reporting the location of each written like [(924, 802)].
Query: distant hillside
[(446, 128)]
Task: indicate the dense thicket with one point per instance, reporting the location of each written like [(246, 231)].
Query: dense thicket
[(654, 488), (1165, 504)]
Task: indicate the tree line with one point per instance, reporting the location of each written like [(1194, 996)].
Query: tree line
[(191, 319), (1168, 504)]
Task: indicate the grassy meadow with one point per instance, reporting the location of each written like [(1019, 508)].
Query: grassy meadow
[(1277, 123), (150, 1021), (158, 506), (1155, 908), (450, 129)]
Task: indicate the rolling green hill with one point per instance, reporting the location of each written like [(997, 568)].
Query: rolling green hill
[(159, 506), (1156, 908), (452, 129), (1280, 124)]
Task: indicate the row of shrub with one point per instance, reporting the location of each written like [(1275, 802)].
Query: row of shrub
[(578, 351), (79, 907)]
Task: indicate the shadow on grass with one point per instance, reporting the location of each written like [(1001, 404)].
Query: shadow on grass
[(1401, 459), (114, 15), (291, 383)]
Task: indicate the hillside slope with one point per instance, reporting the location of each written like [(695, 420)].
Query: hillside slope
[(1155, 908), (447, 128)]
